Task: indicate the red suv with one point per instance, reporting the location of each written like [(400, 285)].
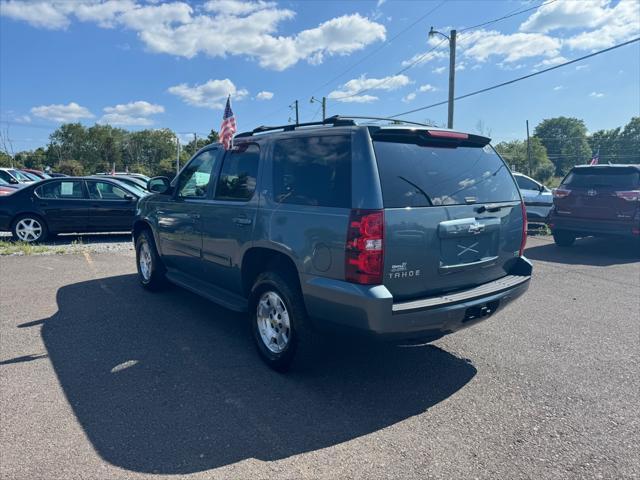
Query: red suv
[(596, 200)]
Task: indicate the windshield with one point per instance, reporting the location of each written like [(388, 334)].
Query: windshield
[(422, 176), (603, 177), (20, 176)]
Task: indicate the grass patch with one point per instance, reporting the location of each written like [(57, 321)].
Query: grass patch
[(24, 248)]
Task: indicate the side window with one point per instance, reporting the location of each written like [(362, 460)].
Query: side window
[(526, 184), (106, 191), (194, 180), (61, 190), (239, 173), (313, 171)]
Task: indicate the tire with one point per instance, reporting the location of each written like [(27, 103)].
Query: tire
[(279, 322), (29, 228), (563, 238), (151, 271)]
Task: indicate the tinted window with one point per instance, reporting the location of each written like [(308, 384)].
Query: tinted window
[(603, 177), (525, 184), (194, 179), (239, 173), (62, 189), (419, 176), (106, 191), (313, 171)]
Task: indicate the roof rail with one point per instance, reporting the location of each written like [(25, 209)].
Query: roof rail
[(336, 121), (392, 120)]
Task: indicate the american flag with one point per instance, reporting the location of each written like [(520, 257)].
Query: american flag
[(228, 127), (595, 158)]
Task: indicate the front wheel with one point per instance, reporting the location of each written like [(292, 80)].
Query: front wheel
[(563, 239), (29, 228), (279, 321), (150, 269)]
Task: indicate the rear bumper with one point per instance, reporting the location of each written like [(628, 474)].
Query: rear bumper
[(371, 310), (588, 226)]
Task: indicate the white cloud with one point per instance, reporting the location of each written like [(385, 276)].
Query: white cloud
[(409, 97), (551, 62), (211, 94), (581, 67), (132, 114), (218, 29), (484, 44), (558, 87), (427, 88), (596, 94), (425, 57), (349, 91), (62, 113), (566, 15), (439, 70), (264, 95), (460, 66)]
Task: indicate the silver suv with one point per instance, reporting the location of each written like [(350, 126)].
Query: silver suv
[(404, 232)]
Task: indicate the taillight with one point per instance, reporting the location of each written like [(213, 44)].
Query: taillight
[(561, 193), (523, 241), (629, 195), (364, 252), (447, 134)]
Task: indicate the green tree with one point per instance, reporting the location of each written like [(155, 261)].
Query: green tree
[(516, 156), (566, 142), (70, 167), (607, 142), (629, 142)]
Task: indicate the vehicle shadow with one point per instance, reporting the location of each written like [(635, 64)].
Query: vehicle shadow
[(170, 383), (600, 252)]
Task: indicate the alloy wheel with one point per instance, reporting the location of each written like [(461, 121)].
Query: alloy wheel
[(28, 229), (273, 322)]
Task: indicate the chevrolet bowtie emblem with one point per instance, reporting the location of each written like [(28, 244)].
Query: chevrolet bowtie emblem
[(476, 228)]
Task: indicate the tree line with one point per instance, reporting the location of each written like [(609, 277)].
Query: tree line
[(557, 145), (74, 149), (560, 143)]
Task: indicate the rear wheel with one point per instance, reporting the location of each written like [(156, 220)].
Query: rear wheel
[(29, 228), (150, 269), (279, 321), (563, 238)]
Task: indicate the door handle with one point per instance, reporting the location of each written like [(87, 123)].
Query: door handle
[(159, 212), (241, 221)]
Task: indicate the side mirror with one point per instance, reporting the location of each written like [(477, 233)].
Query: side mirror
[(159, 185), (129, 198)]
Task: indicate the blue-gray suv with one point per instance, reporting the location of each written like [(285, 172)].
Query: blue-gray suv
[(402, 231)]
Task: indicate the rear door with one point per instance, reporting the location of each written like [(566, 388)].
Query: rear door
[(453, 213), (599, 193), (64, 204)]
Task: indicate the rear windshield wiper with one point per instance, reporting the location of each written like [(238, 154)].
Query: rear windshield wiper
[(418, 189), (492, 207)]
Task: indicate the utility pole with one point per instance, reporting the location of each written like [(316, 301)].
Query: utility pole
[(195, 143), (452, 69), (324, 106), (297, 117), (177, 155), (528, 149), (452, 76)]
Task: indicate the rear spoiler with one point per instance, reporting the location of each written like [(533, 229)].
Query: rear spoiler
[(426, 136)]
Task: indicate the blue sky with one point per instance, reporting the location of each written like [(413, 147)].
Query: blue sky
[(145, 64)]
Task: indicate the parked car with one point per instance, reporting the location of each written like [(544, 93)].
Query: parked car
[(31, 176), (127, 174), (404, 232), (38, 173), (537, 198), (14, 176), (7, 188), (598, 200), (65, 205), (57, 175), (130, 180)]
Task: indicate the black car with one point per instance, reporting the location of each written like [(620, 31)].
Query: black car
[(65, 205)]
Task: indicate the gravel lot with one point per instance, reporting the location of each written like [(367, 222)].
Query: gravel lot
[(101, 380)]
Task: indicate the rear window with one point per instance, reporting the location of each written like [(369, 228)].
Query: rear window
[(422, 176), (313, 171), (603, 177)]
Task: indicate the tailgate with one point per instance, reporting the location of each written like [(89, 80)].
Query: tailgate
[(453, 214)]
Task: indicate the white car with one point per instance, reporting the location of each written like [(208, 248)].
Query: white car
[(537, 198)]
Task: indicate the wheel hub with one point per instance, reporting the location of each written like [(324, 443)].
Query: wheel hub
[(273, 322)]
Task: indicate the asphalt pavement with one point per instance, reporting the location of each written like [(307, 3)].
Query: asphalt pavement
[(102, 380)]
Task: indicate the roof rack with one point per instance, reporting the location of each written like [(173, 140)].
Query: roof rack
[(336, 121)]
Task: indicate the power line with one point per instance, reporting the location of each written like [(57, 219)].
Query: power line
[(509, 15), (493, 87)]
